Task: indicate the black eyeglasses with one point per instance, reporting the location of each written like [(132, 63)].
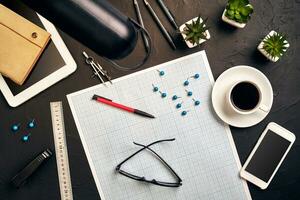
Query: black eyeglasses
[(142, 178)]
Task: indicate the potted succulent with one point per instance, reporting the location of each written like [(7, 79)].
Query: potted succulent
[(237, 13), (273, 46), (194, 32)]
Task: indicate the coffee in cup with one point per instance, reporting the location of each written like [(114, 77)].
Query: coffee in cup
[(245, 97)]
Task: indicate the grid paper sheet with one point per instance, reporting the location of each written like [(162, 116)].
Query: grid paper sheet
[(203, 154)]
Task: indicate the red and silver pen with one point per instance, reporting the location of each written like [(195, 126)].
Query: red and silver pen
[(120, 106)]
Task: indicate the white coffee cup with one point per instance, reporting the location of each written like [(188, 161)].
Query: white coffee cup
[(259, 107)]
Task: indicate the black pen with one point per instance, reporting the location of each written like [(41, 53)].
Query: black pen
[(140, 20), (168, 13), (158, 22)]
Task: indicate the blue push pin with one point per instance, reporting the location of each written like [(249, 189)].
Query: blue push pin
[(163, 94), (155, 89), (196, 76), (25, 138), (186, 83), (179, 105), (175, 97), (184, 113), (189, 93), (196, 102), (15, 127), (161, 73), (31, 124)]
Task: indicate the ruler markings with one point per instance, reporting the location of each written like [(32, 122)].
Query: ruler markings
[(61, 151)]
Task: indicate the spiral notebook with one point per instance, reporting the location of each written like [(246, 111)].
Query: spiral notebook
[(203, 154)]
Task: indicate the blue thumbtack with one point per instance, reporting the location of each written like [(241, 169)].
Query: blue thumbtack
[(189, 93), (196, 76), (163, 94), (31, 124), (179, 105), (25, 138), (175, 97), (186, 83), (183, 113), (155, 89), (161, 73), (15, 127), (196, 102)]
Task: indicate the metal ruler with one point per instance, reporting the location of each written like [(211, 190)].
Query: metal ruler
[(61, 151)]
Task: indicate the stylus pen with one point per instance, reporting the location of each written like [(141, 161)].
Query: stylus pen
[(161, 27), (120, 106), (168, 13), (140, 20)]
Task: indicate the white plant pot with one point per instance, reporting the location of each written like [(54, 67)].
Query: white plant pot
[(188, 43), (268, 56), (232, 22)]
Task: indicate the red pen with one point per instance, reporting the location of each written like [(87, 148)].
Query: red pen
[(120, 106)]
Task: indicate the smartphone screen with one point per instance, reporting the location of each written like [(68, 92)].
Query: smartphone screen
[(267, 156)]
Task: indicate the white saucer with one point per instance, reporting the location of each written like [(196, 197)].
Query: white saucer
[(226, 80)]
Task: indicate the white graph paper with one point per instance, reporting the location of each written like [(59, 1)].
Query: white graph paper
[(203, 154)]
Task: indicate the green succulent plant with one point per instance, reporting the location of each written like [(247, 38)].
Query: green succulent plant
[(275, 45), (239, 10), (195, 31)]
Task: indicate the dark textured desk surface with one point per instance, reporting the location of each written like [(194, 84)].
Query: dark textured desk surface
[(228, 47)]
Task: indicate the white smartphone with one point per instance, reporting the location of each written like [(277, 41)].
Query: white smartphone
[(267, 155)]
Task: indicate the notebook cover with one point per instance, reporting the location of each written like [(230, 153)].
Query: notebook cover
[(22, 43)]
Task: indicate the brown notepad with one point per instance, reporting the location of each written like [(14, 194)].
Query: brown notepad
[(21, 44)]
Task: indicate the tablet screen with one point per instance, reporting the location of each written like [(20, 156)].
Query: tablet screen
[(50, 60)]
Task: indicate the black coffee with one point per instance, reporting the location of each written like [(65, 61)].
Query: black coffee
[(245, 96)]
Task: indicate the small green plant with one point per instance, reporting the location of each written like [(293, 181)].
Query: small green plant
[(195, 31), (275, 45), (239, 10)]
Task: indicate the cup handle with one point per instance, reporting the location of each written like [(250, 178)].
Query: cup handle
[(264, 108)]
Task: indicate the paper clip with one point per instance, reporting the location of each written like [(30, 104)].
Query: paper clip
[(98, 69)]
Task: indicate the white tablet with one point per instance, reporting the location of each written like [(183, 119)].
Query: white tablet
[(55, 64)]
